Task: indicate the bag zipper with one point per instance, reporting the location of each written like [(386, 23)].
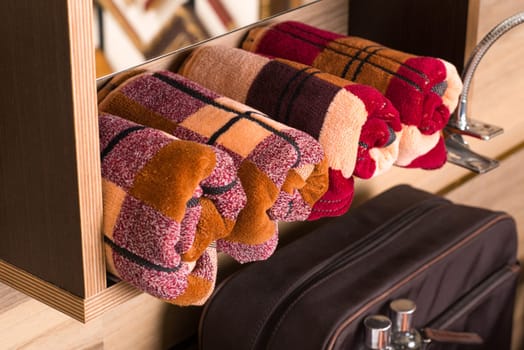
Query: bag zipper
[(416, 273), (351, 253)]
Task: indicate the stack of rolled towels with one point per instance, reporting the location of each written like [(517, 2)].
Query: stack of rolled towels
[(424, 90), (211, 157)]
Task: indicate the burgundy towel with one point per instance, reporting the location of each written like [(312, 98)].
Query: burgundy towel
[(303, 97), (282, 170), (423, 89), (159, 227)]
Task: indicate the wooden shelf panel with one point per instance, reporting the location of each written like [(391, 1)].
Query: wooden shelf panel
[(52, 225), (81, 309), (40, 218)]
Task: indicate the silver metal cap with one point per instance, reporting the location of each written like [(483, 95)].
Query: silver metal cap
[(402, 311), (378, 332)]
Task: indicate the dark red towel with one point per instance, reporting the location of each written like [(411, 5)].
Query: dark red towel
[(423, 89)]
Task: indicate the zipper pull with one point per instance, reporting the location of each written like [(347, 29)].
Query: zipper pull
[(431, 335)]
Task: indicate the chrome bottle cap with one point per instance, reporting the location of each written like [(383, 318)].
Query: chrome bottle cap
[(378, 332), (402, 311)]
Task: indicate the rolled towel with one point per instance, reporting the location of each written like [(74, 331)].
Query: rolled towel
[(158, 227), (282, 169), (423, 89), (294, 94), (331, 109)]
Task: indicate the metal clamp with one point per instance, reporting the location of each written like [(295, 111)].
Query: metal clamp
[(460, 154), (459, 124)]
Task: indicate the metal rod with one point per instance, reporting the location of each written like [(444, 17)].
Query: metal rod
[(478, 53), (459, 124)]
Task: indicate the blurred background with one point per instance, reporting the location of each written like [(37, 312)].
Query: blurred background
[(129, 32)]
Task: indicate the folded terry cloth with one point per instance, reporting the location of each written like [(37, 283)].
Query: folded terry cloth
[(331, 109), (281, 169), (158, 226), (295, 94), (423, 89)]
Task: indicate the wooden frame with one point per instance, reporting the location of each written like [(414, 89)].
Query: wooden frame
[(50, 190), (495, 99), (50, 159), (50, 187)]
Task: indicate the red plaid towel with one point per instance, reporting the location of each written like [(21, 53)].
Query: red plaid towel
[(423, 89)]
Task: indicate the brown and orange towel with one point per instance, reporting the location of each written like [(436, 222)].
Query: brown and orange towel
[(159, 227), (282, 169), (423, 89), (356, 125)]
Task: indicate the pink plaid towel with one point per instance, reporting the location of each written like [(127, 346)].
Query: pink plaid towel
[(166, 202), (282, 170)]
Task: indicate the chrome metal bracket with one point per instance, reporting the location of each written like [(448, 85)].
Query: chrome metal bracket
[(459, 124), (477, 129), (460, 154)]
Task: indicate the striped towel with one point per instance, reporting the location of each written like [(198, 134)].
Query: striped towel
[(356, 125), (282, 170), (423, 89), (164, 206)]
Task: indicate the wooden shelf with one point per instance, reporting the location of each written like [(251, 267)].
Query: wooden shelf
[(81, 309), (50, 185), (50, 199)]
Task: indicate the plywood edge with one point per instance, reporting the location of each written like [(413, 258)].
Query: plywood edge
[(41, 290), (83, 76), (108, 299), (83, 310)]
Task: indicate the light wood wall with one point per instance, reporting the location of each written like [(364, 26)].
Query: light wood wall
[(146, 323)]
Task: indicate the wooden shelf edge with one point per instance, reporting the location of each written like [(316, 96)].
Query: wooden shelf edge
[(41, 290), (108, 299), (83, 78), (82, 310)]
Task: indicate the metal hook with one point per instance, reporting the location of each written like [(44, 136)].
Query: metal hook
[(459, 124)]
